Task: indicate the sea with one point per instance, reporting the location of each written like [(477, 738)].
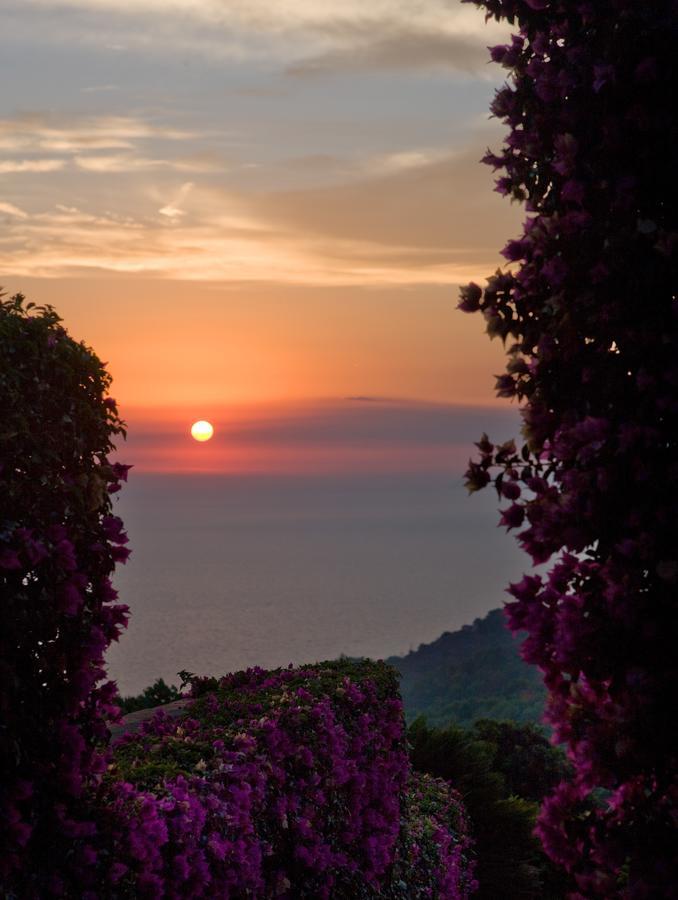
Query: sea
[(234, 571)]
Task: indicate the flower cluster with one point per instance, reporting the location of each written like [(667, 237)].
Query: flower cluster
[(590, 314), (291, 784), (59, 544), (434, 854)]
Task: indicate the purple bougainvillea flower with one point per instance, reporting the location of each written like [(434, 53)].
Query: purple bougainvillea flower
[(512, 517), (471, 295), (9, 559)]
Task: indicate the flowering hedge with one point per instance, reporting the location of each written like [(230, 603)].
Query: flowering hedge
[(58, 546), (293, 783), (590, 316)]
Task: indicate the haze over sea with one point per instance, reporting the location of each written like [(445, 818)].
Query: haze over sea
[(235, 571)]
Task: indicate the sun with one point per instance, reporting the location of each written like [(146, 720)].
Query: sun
[(201, 431)]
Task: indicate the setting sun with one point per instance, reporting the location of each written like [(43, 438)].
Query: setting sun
[(201, 431)]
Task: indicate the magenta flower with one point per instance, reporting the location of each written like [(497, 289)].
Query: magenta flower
[(512, 517), (471, 296), (9, 559)]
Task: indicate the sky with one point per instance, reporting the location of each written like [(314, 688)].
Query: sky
[(259, 212)]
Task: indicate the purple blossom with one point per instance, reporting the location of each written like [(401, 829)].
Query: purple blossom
[(512, 517), (9, 559), (573, 191), (471, 296)]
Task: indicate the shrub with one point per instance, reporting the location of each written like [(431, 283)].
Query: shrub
[(58, 546), (590, 314), (293, 783), (157, 694)]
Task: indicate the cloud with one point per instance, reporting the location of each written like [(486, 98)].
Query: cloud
[(10, 210), (44, 132), (172, 210), (271, 15), (130, 163), (431, 223), (304, 36), (401, 49), (99, 88), (12, 166), (54, 143), (424, 213), (380, 421)]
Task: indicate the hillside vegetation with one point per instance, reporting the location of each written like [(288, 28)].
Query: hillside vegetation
[(471, 674)]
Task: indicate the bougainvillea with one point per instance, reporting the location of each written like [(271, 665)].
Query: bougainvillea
[(293, 783), (590, 314), (59, 543)]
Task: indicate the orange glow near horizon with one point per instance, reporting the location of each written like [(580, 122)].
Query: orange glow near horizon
[(312, 438), (258, 345)]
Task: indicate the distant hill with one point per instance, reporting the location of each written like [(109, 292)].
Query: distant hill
[(474, 673)]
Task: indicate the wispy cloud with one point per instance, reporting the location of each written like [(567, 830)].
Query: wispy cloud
[(395, 228), (424, 210), (128, 162), (306, 36), (173, 210), (273, 15), (397, 48), (9, 209), (64, 134), (99, 88), (14, 166)]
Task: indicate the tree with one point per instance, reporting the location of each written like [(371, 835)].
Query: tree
[(530, 765), (589, 315), (501, 825), (156, 694), (59, 544)]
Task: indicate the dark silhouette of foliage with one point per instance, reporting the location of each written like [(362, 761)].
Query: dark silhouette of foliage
[(156, 694), (530, 765), (470, 674), (59, 544), (589, 314), (509, 861)]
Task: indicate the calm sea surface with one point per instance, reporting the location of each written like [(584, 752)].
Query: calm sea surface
[(229, 572)]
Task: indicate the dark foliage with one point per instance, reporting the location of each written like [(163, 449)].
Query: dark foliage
[(157, 694), (589, 313), (510, 863), (474, 673), (58, 546), (529, 764)]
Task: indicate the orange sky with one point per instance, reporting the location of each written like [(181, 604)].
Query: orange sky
[(269, 210), (176, 344)]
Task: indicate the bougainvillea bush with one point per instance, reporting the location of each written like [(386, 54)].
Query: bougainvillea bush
[(59, 543), (293, 783), (589, 313)]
